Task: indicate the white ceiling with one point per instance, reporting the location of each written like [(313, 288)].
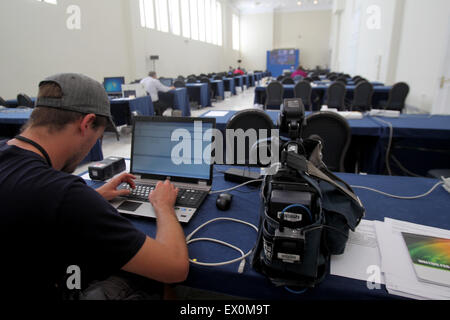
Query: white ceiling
[(258, 6)]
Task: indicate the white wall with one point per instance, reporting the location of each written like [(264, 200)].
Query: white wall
[(36, 43), (256, 39), (409, 45), (308, 31), (422, 50), (178, 55)]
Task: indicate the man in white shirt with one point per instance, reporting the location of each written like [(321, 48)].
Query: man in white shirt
[(152, 85)]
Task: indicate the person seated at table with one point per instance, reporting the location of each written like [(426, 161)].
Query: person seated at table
[(58, 235), (152, 85), (239, 71), (299, 72)]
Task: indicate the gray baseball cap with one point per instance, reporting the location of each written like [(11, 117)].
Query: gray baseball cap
[(79, 94)]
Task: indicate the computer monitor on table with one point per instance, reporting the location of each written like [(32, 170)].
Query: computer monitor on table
[(113, 85), (166, 81)]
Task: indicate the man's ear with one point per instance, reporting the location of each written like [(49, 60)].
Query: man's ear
[(87, 122)]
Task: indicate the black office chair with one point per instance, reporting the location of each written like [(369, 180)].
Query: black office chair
[(179, 83), (336, 96), (191, 80), (3, 102), (397, 97), (274, 94), (343, 80), (335, 134), (360, 80), (24, 101), (180, 78), (362, 97), (303, 90), (288, 81), (250, 119)]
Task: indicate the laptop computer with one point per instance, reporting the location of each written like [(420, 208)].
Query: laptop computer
[(173, 148)]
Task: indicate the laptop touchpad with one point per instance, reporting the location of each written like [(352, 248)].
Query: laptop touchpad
[(129, 206)]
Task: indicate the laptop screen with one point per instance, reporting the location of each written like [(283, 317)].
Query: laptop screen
[(179, 148)]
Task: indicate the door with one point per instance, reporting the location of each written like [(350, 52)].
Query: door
[(442, 101)]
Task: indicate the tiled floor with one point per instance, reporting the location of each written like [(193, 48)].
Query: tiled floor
[(112, 147)]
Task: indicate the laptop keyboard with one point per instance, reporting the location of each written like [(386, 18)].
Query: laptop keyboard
[(186, 197)]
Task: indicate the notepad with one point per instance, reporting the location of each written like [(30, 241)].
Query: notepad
[(430, 257)]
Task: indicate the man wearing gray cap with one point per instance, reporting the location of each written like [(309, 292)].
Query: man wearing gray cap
[(52, 222)]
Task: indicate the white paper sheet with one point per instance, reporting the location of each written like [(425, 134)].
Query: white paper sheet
[(360, 253), (396, 264), (214, 114)]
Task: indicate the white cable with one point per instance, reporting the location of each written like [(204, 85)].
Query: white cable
[(388, 150), (216, 264), (401, 197), (236, 187)]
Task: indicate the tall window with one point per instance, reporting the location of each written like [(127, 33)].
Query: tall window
[(185, 20), (174, 11), (236, 39), (219, 23), (208, 20), (147, 14), (213, 22), (162, 16), (194, 19), (201, 20), (49, 1)]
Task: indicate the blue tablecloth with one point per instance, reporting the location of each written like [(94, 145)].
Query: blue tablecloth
[(200, 93), (421, 142), (218, 88), (432, 211), (121, 109), (364, 127), (229, 84), (12, 119), (178, 99)]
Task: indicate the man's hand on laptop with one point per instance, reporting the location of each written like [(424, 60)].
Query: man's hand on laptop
[(164, 196), (109, 190)]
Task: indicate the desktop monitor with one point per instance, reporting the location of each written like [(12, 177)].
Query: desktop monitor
[(113, 85), (166, 81)]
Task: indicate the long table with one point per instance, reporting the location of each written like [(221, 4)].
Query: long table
[(381, 93), (200, 93), (414, 136), (11, 119), (432, 211), (122, 108)]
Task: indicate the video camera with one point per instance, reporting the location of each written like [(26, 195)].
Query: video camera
[(295, 241)]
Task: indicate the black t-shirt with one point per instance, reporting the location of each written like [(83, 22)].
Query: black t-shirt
[(50, 220)]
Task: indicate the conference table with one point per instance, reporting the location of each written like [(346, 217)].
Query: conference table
[(122, 108), (420, 142), (380, 93), (431, 210), (12, 119), (200, 93), (230, 85)]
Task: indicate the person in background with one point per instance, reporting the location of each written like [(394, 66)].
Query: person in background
[(299, 72), (152, 85), (239, 71)]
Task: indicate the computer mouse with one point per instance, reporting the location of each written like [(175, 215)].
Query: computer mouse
[(223, 201)]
